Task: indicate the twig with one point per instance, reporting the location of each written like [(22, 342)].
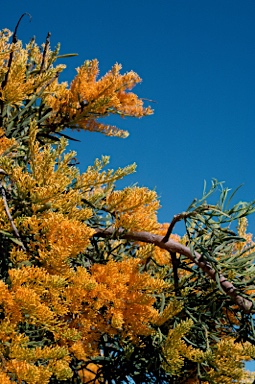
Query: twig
[(15, 230), (175, 264), (14, 41), (47, 43), (195, 257), (4, 82), (185, 215), (176, 218)]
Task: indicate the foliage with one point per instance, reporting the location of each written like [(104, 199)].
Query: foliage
[(84, 297)]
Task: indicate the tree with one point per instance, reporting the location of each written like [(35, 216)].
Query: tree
[(93, 289)]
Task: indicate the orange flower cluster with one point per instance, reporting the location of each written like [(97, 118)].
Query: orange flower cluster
[(88, 97), (44, 291), (134, 208), (20, 86), (31, 73)]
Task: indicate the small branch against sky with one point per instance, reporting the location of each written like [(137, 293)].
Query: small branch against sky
[(175, 220), (14, 41), (46, 46)]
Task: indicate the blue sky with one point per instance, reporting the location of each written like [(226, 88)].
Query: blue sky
[(197, 62)]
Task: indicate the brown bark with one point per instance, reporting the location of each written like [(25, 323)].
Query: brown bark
[(173, 246)]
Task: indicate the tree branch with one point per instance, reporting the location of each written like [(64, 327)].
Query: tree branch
[(47, 43), (174, 247), (14, 41), (175, 264), (175, 220)]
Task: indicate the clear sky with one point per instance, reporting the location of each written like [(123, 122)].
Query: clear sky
[(197, 62)]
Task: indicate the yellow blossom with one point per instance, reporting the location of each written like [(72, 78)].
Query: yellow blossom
[(134, 208)]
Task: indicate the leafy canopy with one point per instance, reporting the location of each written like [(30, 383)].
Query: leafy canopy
[(92, 287)]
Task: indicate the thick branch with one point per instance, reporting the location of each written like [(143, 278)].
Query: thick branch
[(173, 246)]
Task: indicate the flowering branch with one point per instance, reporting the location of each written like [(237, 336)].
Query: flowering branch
[(14, 41), (175, 247)]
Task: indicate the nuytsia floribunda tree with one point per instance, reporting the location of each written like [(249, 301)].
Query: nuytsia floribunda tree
[(93, 289)]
